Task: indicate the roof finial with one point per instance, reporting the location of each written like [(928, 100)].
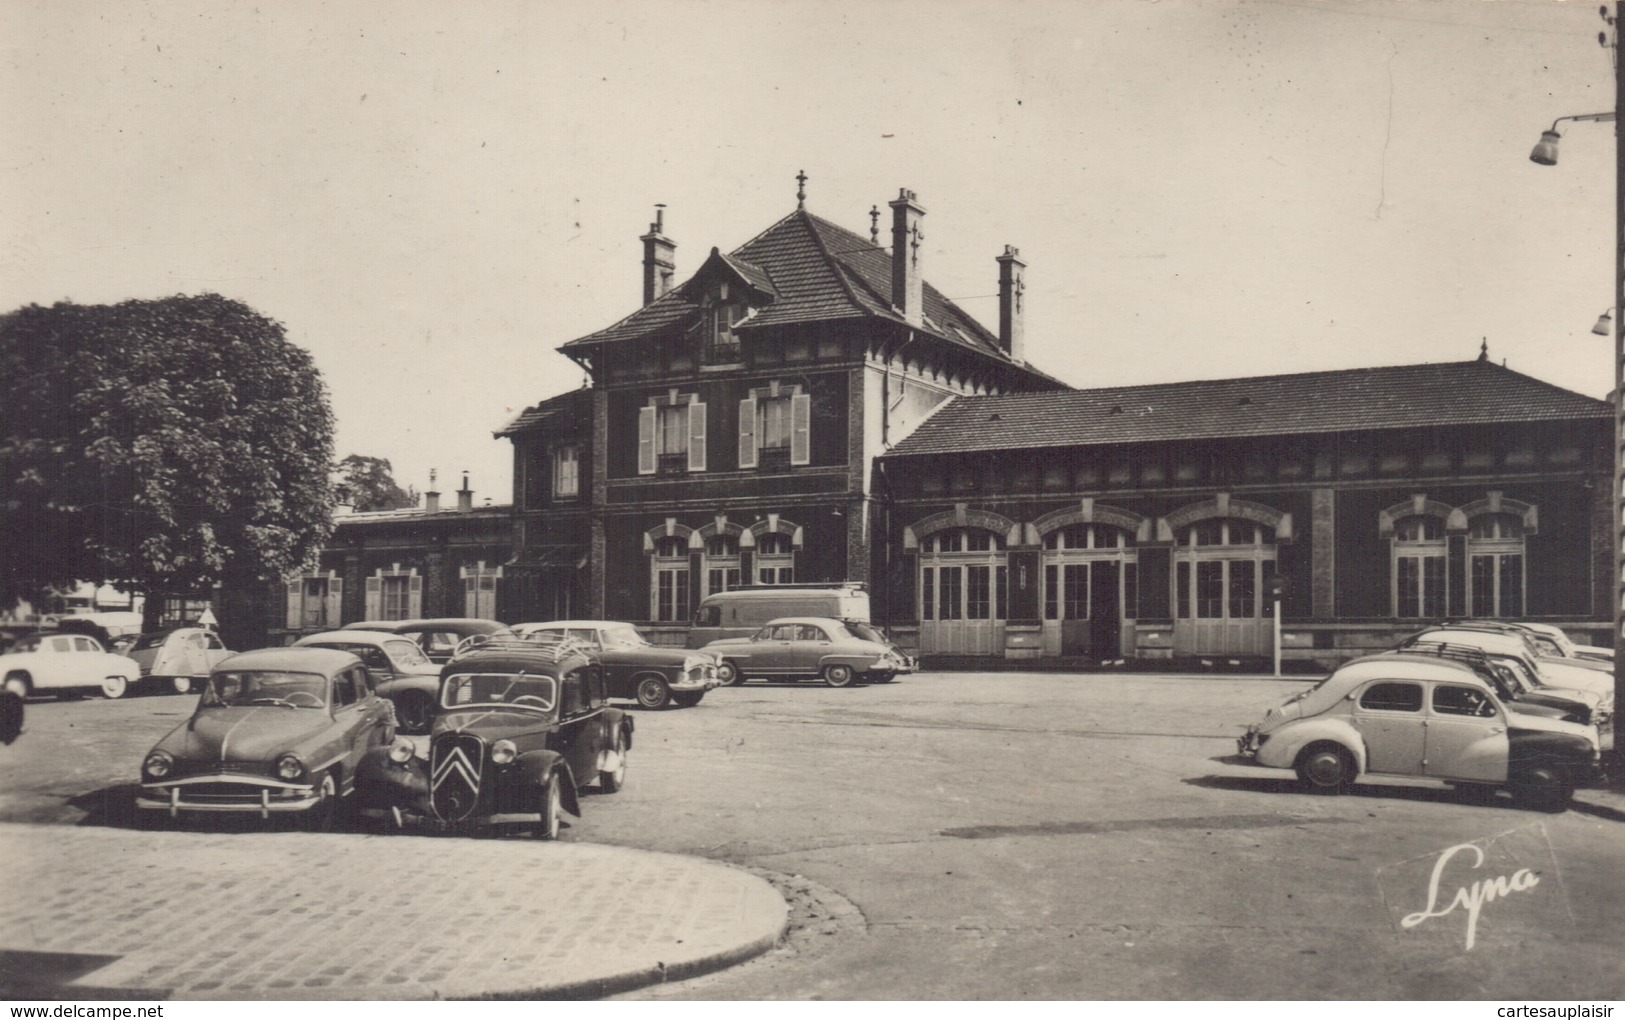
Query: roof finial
[(874, 225), (801, 189), (1484, 351)]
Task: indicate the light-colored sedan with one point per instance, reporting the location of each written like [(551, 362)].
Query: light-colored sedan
[(67, 665), (809, 647), (397, 668)]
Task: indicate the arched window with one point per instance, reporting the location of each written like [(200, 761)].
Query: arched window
[(1495, 574), (668, 595), (721, 563), (775, 559), (1419, 567), (962, 575), (1219, 569)]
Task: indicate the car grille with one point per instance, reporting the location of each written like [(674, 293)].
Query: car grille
[(223, 768), (456, 761)]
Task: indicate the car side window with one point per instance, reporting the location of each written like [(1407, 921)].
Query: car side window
[(215, 644), (595, 688), (344, 689), (81, 644), (1392, 697), (1449, 699), (809, 633), (788, 632), (586, 635), (573, 700), (708, 616)]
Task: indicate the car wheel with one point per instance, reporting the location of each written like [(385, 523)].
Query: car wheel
[(729, 674), (1325, 768), (552, 810), (11, 715), (613, 780), (115, 687), (652, 692), (319, 816), (837, 675), (413, 712), (1542, 788), (687, 699)]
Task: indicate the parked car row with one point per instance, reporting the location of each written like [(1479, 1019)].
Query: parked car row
[(1470, 704)]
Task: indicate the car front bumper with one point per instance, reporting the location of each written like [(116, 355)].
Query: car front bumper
[(227, 794), (1248, 743)]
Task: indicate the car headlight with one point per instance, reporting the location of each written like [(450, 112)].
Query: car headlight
[(402, 751), (693, 663), (289, 767), (503, 752), (158, 765)]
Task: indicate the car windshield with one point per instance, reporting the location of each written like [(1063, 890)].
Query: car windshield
[(406, 653), (864, 632), (499, 690), (236, 688), (623, 636)]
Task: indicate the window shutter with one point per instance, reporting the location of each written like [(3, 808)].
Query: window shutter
[(471, 596), (696, 437), (414, 597), (747, 432), (335, 600), (375, 597), (296, 590), (801, 428), (646, 440)]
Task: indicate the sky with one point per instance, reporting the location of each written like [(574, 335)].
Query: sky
[(432, 197)]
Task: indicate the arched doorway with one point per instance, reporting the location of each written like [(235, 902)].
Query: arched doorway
[(963, 585), (1089, 590), (1220, 568)]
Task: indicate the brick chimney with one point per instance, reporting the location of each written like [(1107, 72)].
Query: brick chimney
[(659, 258), (465, 495), (907, 287), (431, 497), (1011, 286)]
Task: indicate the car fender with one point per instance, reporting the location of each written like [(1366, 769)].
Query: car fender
[(1285, 744), (620, 719), (536, 766)]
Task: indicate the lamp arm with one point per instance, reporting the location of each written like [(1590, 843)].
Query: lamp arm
[(1610, 115)]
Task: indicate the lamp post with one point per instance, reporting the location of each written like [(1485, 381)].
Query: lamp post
[(1545, 153)]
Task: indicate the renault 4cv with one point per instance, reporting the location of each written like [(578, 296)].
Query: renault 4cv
[(521, 726)]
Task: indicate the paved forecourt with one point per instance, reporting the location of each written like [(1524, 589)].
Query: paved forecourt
[(288, 915)]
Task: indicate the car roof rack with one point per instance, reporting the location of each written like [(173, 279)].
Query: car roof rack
[(554, 644), (1478, 659)]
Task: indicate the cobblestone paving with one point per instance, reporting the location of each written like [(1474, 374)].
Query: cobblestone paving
[(284, 915)]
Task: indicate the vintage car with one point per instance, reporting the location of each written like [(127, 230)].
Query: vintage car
[(810, 647), (66, 665), (276, 731), (1554, 681), (1555, 642), (633, 668), (440, 638), (178, 659), (398, 669), (1412, 715), (523, 725)]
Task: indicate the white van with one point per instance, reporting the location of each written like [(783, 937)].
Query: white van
[(742, 613)]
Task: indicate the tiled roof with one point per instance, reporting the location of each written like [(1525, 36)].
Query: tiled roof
[(566, 409), (817, 271), (1405, 396)]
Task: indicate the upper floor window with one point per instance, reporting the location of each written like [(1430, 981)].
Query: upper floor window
[(671, 435), (567, 471), (775, 428), (722, 343)]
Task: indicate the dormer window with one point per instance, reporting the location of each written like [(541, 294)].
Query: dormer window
[(723, 312)]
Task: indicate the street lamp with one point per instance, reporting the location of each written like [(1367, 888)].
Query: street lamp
[(1545, 153)]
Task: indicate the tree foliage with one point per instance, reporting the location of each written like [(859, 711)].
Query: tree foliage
[(368, 483), (158, 445)]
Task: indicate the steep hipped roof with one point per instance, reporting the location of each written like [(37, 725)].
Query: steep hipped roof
[(567, 412), (1404, 396), (817, 272)]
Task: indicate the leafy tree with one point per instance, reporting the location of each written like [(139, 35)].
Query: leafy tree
[(368, 483), (157, 445)]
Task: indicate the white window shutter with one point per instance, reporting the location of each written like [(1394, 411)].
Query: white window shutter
[(375, 597), (414, 597), (296, 594), (801, 428), (646, 440), (696, 437), (471, 596), (335, 600), (747, 432)]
